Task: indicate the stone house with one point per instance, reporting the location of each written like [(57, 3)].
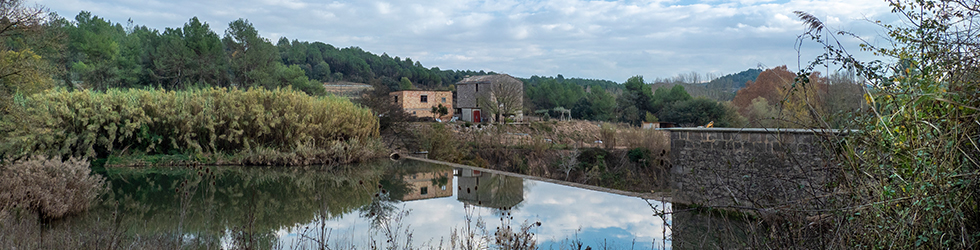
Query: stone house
[(419, 103), (505, 89)]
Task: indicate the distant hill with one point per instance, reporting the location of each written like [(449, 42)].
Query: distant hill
[(733, 82), (697, 90), (584, 83), (327, 63)]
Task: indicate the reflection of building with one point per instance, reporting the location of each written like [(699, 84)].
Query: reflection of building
[(489, 190), (428, 185)]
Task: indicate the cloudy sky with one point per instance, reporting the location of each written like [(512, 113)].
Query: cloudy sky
[(576, 38)]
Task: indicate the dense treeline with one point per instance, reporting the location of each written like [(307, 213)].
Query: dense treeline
[(324, 62), (547, 94), (585, 83), (633, 102), (92, 52)]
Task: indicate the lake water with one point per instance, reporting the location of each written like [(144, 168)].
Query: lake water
[(380, 204)]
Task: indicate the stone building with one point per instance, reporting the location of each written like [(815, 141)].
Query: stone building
[(505, 90), (420, 102)]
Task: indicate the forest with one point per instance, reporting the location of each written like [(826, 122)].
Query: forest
[(90, 52)]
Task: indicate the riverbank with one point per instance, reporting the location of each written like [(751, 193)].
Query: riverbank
[(601, 154)]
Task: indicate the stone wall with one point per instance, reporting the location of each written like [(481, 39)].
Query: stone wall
[(411, 101), (757, 168), (466, 95)]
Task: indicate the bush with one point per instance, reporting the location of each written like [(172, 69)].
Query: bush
[(90, 124), (52, 188), (608, 135), (654, 140)]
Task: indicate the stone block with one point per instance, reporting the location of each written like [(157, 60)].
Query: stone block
[(788, 138)]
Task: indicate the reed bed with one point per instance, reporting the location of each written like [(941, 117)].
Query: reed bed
[(91, 124)]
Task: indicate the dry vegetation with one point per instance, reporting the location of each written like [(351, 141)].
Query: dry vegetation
[(48, 187), (615, 156)]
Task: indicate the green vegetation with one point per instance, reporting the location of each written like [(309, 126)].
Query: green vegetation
[(909, 178), (92, 52), (92, 124), (638, 104)]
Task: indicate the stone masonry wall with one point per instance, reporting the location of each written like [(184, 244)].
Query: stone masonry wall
[(410, 101), (759, 168)]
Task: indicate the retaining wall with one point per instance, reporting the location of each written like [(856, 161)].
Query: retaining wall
[(755, 168)]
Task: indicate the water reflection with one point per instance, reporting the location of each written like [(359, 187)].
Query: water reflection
[(378, 204), (489, 190)]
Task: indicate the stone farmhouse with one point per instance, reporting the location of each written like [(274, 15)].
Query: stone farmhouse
[(503, 89), (420, 102)]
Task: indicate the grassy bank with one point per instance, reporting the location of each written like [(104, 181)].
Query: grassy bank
[(607, 155), (254, 126)]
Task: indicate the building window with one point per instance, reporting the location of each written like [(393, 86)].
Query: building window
[(443, 100), (396, 99), (424, 99), (424, 190), (477, 87)]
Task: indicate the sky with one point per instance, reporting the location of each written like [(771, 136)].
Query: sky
[(610, 40)]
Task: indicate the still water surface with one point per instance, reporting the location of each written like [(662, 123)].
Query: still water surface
[(411, 203)]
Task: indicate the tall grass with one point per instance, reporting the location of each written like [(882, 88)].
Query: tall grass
[(91, 124), (49, 187)]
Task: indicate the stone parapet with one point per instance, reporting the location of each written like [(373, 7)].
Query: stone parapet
[(758, 168)]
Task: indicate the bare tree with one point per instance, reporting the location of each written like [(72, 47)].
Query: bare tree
[(15, 17), (504, 98)]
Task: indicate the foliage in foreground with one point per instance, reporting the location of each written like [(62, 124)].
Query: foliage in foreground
[(912, 174), (95, 124), (51, 188)]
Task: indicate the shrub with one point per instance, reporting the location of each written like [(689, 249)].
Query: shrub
[(95, 124), (651, 139), (608, 135), (53, 188)]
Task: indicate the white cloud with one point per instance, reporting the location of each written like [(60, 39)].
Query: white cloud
[(581, 38)]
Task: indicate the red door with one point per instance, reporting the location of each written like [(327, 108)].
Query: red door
[(476, 116)]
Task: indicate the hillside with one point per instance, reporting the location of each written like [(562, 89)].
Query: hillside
[(733, 82)]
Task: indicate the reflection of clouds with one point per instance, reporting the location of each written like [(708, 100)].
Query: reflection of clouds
[(563, 212), (591, 209)]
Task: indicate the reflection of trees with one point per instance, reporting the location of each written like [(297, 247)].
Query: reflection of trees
[(251, 203), (489, 190), (202, 205)]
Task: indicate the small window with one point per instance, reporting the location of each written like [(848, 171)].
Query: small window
[(424, 99), (443, 100), (477, 87), (424, 190), (396, 99)]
